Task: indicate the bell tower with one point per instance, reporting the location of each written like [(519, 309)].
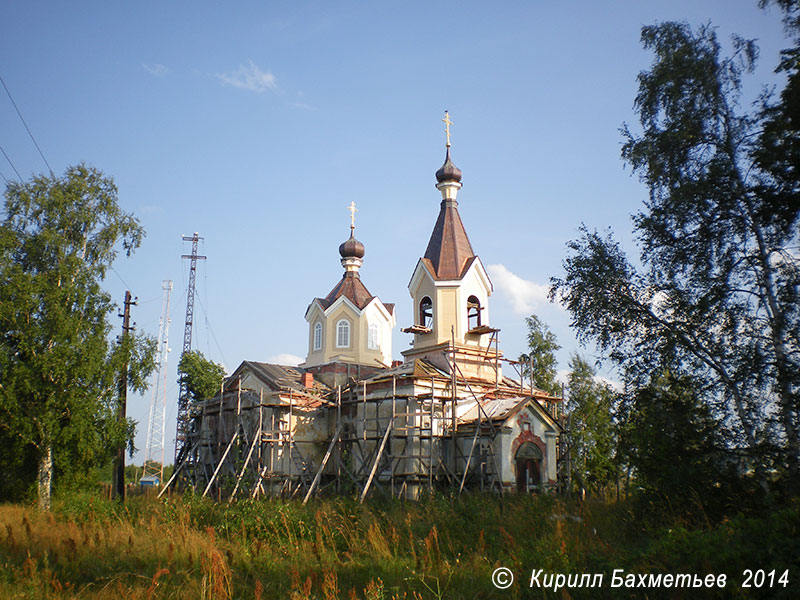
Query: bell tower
[(450, 290)]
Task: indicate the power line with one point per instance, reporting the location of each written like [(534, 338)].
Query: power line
[(119, 277), (11, 163), (26, 128), (213, 335)]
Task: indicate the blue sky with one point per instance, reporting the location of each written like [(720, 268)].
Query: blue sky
[(257, 123)]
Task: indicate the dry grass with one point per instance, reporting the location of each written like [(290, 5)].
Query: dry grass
[(89, 548)]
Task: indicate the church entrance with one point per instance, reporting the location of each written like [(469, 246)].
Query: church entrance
[(529, 467)]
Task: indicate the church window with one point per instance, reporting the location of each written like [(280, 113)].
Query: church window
[(343, 334), (372, 337), (473, 312), (318, 336), (426, 312)]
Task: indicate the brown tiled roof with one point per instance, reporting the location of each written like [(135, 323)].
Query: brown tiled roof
[(449, 249), (351, 287)]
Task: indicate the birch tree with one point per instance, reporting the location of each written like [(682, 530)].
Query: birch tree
[(718, 291), (59, 363)]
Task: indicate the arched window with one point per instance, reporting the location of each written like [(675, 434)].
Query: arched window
[(318, 336), (473, 312), (426, 312), (372, 337), (343, 334)]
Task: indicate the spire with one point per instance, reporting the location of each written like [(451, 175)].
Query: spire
[(449, 248)]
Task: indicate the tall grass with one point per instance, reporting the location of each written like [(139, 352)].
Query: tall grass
[(92, 548)]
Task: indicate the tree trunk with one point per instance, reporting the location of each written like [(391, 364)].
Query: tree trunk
[(45, 477), (777, 317)]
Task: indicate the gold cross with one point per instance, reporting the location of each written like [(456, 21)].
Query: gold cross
[(353, 210), (447, 122)]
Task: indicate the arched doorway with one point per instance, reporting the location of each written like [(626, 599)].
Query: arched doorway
[(529, 467)]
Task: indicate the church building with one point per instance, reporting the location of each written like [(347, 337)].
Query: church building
[(351, 420)]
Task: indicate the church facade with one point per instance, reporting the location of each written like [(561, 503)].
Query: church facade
[(351, 420)]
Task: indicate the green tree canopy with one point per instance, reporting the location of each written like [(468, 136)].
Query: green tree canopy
[(592, 441), (202, 376), (717, 296), (542, 345), (672, 443), (58, 366)]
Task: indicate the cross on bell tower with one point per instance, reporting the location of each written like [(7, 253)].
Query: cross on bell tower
[(447, 122)]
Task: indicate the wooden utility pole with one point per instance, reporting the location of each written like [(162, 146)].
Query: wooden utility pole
[(118, 473)]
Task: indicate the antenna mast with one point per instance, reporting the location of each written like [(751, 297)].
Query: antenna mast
[(154, 451), (182, 434)]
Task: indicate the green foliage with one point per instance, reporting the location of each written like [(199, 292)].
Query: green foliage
[(58, 368), (543, 347), (591, 429), (716, 298), (20, 464), (779, 144), (201, 376), (673, 444)]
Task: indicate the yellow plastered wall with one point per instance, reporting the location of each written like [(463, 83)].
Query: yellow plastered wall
[(316, 316), (356, 325), (357, 351), (446, 309), (445, 312)]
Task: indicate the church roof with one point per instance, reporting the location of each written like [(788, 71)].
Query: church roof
[(351, 287), (351, 247), (449, 250), (419, 367), (494, 409), (275, 377), (499, 410), (448, 171)]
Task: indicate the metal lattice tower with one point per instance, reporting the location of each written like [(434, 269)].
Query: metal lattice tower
[(154, 450), (182, 433)]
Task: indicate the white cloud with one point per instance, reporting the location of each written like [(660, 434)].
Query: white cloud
[(250, 77), (785, 256), (612, 383), (562, 376), (157, 69), (288, 360), (525, 295)]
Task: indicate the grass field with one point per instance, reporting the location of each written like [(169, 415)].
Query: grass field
[(185, 547)]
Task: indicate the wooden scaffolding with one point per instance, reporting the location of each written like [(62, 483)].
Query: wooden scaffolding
[(402, 433)]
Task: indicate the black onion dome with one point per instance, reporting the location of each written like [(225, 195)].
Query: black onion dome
[(352, 248), (448, 171)]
